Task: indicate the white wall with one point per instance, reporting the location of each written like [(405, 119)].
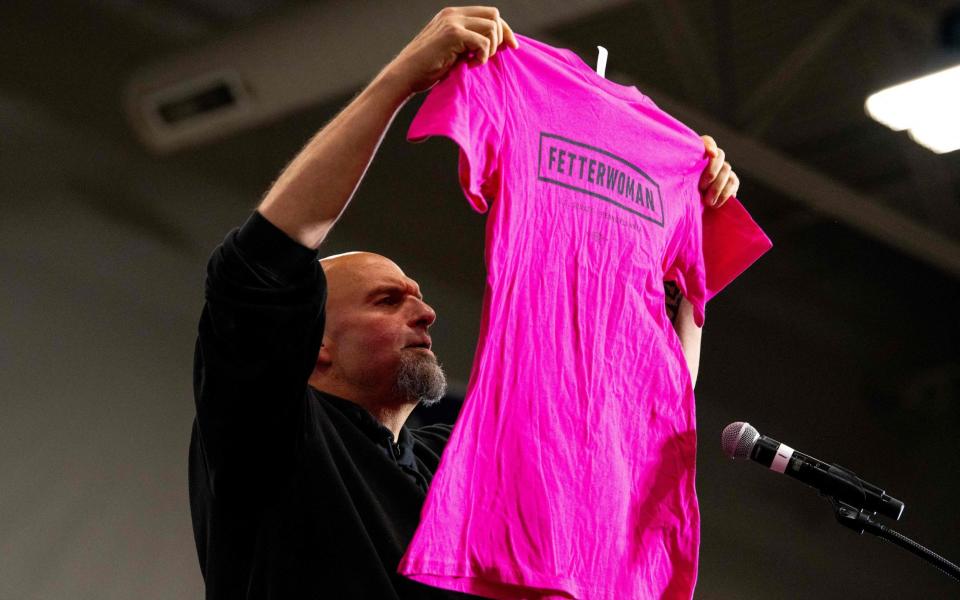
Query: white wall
[(98, 316)]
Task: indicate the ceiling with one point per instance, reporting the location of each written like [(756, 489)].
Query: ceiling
[(789, 77)]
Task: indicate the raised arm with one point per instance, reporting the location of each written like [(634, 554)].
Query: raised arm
[(680, 312), (315, 188), (263, 320)]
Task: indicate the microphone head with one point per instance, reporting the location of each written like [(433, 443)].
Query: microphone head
[(738, 439)]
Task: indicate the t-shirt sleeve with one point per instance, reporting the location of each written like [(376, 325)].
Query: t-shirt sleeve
[(683, 260), (467, 106), (732, 241), (711, 248)]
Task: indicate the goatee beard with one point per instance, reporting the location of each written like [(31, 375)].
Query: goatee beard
[(420, 378)]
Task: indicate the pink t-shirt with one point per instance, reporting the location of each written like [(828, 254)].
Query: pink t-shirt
[(570, 471)]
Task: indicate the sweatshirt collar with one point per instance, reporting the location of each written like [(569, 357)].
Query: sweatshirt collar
[(400, 451)]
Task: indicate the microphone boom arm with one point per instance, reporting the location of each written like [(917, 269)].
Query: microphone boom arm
[(861, 520)]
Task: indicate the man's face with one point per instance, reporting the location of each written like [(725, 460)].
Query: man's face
[(376, 329)]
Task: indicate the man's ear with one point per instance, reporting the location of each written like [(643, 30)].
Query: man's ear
[(324, 359)]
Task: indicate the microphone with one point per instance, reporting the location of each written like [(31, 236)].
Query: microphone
[(742, 440)]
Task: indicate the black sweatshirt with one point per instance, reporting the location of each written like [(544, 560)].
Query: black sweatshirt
[(294, 493)]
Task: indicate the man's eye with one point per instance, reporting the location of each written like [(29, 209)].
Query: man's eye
[(388, 300)]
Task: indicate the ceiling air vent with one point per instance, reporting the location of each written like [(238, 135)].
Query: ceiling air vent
[(181, 114)]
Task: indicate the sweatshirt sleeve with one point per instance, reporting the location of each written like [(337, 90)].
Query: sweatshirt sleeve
[(258, 339)]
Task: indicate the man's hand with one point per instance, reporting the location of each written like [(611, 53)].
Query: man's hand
[(718, 182), (452, 32)]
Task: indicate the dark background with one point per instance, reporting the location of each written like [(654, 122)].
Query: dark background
[(841, 341)]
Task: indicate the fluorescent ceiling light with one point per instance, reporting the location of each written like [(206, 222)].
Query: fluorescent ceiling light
[(928, 106)]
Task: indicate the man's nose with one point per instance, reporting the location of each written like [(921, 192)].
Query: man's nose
[(424, 315)]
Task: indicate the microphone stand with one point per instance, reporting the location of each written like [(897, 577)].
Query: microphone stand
[(860, 520)]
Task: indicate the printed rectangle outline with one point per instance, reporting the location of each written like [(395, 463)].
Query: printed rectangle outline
[(594, 194)]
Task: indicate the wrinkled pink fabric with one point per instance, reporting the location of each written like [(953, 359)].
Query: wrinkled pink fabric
[(570, 471)]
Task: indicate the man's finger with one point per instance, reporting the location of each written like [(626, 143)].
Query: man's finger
[(495, 35), (486, 28), (713, 169), (492, 14), (478, 44), (709, 145), (511, 39), (709, 173), (718, 184), (729, 190), (487, 12)]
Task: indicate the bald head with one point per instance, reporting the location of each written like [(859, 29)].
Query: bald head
[(352, 276), (351, 268), (355, 259)]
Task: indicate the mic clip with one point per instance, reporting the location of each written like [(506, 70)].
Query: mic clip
[(852, 516), (857, 519)]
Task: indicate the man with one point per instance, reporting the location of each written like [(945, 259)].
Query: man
[(304, 481)]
